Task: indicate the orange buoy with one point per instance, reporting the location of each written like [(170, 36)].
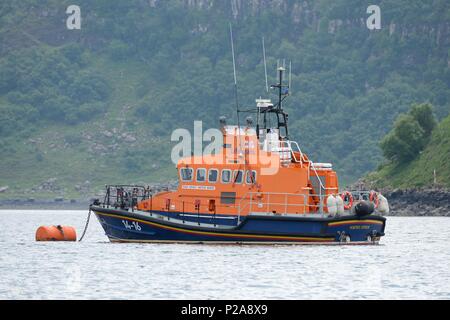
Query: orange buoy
[(56, 233)]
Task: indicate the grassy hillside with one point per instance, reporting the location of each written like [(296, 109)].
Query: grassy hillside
[(108, 148), (420, 172), (81, 108)]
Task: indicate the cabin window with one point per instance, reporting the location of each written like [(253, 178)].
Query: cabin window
[(237, 177), (186, 174), (226, 176), (250, 177), (201, 175), (213, 174)]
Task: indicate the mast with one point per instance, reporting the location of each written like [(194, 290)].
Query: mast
[(282, 117), (280, 86), (265, 64)]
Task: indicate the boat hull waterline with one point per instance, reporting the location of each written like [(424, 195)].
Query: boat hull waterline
[(125, 226)]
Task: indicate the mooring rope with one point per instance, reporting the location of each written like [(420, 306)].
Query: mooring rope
[(86, 226)]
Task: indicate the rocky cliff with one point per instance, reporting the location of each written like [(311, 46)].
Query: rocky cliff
[(418, 202)]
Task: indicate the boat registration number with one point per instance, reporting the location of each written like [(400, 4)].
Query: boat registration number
[(134, 225)]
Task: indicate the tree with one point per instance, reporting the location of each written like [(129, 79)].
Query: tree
[(410, 134), (392, 146), (423, 113)]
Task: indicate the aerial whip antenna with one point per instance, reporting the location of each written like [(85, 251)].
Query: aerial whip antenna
[(278, 65), (265, 64), (290, 76), (234, 72), (235, 87), (232, 52)]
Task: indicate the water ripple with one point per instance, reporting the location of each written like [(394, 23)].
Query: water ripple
[(411, 263)]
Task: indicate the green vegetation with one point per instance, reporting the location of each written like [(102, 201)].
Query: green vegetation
[(47, 85), (429, 168), (411, 133), (100, 103)]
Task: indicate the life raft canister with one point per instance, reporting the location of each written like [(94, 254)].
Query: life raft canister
[(347, 197), (373, 197), (56, 233)]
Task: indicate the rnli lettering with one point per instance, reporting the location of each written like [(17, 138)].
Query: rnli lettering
[(189, 187)]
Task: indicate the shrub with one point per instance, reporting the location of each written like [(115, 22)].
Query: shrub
[(410, 134)]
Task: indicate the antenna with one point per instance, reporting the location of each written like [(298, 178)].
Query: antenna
[(235, 79), (265, 64), (290, 76), (235, 87), (232, 52)]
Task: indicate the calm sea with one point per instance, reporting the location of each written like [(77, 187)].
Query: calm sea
[(412, 261)]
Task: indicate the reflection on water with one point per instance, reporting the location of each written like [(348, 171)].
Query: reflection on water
[(411, 262)]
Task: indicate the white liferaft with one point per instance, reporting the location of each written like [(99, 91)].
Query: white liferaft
[(321, 166)]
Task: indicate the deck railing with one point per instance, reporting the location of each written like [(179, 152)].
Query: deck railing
[(125, 196), (281, 203)]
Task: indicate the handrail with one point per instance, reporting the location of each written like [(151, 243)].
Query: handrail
[(357, 194), (248, 201), (125, 196), (311, 164), (290, 143), (302, 158)]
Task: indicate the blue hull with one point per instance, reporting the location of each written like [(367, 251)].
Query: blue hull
[(125, 226)]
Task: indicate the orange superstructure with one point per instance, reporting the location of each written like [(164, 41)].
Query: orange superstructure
[(225, 198), (246, 170)]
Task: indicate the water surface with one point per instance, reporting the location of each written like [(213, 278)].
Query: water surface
[(412, 262)]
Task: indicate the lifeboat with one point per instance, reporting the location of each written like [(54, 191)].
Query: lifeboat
[(259, 188)]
